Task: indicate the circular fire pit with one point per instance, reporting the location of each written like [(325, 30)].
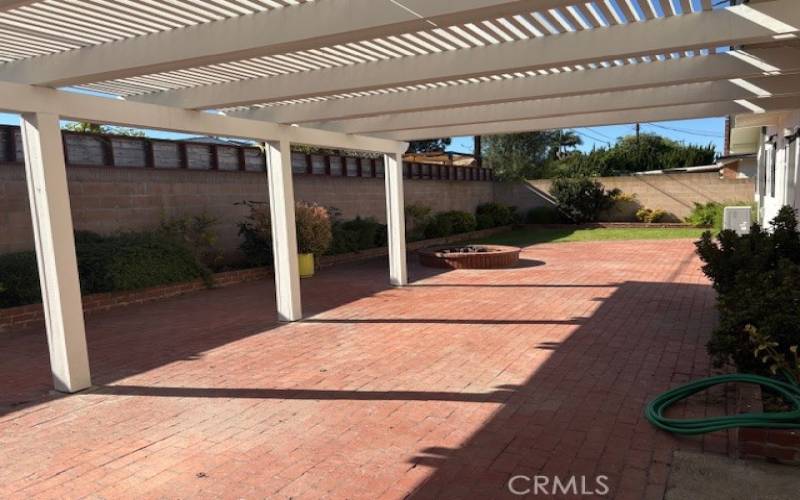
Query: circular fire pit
[(469, 256)]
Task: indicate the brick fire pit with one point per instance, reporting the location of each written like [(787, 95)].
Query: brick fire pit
[(469, 256)]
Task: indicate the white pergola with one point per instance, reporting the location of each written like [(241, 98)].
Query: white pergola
[(364, 75)]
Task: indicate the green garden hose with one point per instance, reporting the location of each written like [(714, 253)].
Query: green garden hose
[(779, 420)]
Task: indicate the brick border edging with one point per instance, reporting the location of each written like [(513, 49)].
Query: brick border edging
[(27, 315), (780, 445), (23, 316)]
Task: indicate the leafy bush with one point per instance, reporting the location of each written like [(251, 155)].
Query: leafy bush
[(712, 213), (127, 261), (706, 214), (357, 234), (581, 199), (132, 261), (449, 223), (256, 234), (313, 228), (19, 279), (757, 277), (313, 231), (197, 233), (417, 217), (650, 215), (544, 215), (494, 214)]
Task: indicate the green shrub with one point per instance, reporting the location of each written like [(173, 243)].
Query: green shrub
[(650, 215), (581, 199), (314, 233), (417, 217), (757, 277), (126, 261), (449, 223), (544, 215), (490, 215), (706, 214), (140, 260), (256, 235), (19, 279), (712, 214), (357, 234), (198, 234)]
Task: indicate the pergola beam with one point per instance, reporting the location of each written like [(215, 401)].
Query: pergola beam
[(666, 113), (17, 98), (273, 32), (633, 76), (688, 32), (690, 93)]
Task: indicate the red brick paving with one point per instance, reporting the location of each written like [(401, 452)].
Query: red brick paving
[(443, 389)]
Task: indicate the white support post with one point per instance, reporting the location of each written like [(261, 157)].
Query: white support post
[(395, 218), (55, 251), (284, 236)]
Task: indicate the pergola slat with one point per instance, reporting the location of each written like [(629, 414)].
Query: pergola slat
[(656, 74), (242, 37), (665, 113), (622, 101), (674, 34)]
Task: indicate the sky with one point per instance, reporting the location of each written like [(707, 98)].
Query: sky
[(700, 132)]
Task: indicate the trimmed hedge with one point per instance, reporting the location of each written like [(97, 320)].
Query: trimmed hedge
[(128, 261), (544, 215), (581, 199), (757, 277), (357, 234), (490, 215), (19, 279), (449, 223)]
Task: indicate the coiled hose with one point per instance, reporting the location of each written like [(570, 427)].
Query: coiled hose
[(782, 420)]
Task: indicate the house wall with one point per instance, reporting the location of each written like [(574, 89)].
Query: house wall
[(106, 200), (673, 193), (784, 152)]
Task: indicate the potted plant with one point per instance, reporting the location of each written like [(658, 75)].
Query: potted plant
[(314, 235)]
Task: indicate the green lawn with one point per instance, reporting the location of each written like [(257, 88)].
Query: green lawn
[(532, 236)]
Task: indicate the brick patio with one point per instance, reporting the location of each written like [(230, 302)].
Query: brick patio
[(442, 389)]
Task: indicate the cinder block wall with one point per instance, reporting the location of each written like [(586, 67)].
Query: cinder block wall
[(107, 199), (674, 193)]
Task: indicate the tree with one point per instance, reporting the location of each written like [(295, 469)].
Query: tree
[(94, 128), (566, 142), (520, 156), (633, 154), (429, 145)]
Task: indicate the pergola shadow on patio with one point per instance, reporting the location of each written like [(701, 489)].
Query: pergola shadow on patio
[(362, 75), (445, 388), (146, 337)]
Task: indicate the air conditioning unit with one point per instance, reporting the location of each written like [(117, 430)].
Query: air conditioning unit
[(737, 219)]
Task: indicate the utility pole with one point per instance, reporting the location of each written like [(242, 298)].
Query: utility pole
[(477, 150), (638, 131)]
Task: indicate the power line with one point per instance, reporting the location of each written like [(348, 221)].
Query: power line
[(687, 131), (599, 133), (584, 134)]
